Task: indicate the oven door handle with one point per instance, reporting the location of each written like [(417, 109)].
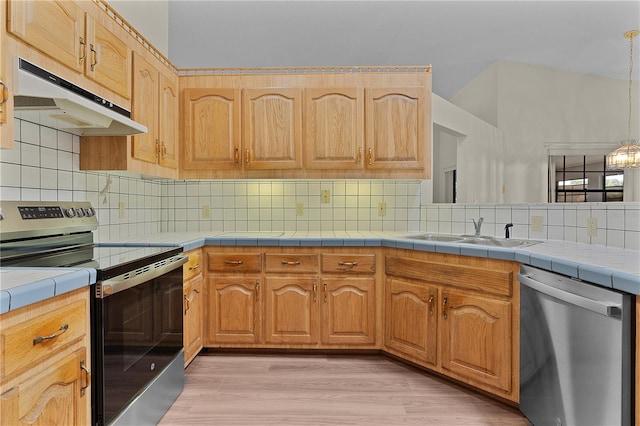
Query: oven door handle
[(131, 279)]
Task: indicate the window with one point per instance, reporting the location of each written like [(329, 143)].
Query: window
[(582, 178)]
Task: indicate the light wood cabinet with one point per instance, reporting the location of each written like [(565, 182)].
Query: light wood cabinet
[(193, 305), (46, 379), (211, 126), (291, 310), (347, 311), (272, 128), (155, 104), (63, 31), (5, 142), (396, 126), (477, 338), (334, 123), (456, 315), (234, 298), (411, 320)]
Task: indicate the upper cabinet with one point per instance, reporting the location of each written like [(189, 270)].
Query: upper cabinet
[(5, 142), (63, 31), (307, 125)]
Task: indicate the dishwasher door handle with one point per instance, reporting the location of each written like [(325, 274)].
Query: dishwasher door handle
[(602, 308)]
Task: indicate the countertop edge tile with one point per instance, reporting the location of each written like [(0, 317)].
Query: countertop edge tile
[(31, 293), (596, 275), (626, 282), (5, 300)]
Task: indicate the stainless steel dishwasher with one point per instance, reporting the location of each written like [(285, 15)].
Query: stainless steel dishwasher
[(575, 351)]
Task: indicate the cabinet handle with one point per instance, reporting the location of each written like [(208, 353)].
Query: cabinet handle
[(247, 158), (194, 267), (83, 51), (164, 149), (315, 291), (157, 149), (94, 55), (233, 262), (290, 262), (257, 291), (63, 328), (87, 377), (431, 298), (359, 156), (187, 304), (5, 93), (236, 156), (349, 264), (325, 292), (370, 156), (444, 306)]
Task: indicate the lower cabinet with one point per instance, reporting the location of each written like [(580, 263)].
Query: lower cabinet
[(458, 319), (291, 310), (234, 310), (192, 305), (348, 311), (45, 378)]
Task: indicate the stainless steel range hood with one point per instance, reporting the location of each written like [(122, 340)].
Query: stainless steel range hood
[(65, 106)]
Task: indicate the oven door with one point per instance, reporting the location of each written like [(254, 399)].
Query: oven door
[(137, 332)]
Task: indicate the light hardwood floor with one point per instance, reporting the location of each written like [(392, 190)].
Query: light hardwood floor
[(234, 389)]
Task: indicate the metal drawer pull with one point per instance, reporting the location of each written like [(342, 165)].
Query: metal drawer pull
[(187, 303), (94, 61), (233, 262), (87, 377), (5, 93), (60, 331), (293, 263), (196, 266), (350, 264), (444, 305)]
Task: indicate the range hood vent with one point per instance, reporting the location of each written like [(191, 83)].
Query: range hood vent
[(68, 107)]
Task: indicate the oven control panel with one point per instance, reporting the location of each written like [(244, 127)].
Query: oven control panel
[(26, 219)]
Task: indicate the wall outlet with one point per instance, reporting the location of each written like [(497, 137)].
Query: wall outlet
[(121, 209), (592, 227), (536, 223), (325, 196), (382, 209), (299, 209), (206, 212)]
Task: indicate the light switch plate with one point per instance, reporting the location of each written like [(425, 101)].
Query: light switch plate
[(206, 212), (325, 196), (382, 209), (536, 223), (592, 227), (299, 209)]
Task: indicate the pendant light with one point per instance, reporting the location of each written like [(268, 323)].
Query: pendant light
[(628, 154)]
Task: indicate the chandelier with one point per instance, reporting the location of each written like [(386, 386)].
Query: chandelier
[(628, 154)]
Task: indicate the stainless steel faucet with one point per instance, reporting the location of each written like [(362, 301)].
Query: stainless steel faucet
[(477, 225)]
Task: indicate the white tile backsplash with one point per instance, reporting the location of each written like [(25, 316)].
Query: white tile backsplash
[(44, 165)]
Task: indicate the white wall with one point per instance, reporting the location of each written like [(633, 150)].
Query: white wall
[(534, 106), (149, 17)]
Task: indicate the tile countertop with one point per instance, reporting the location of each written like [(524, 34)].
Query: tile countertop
[(23, 286), (606, 266)]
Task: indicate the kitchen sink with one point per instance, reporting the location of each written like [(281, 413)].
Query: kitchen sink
[(473, 239)]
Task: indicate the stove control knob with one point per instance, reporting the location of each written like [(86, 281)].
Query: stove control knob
[(79, 212), (70, 212), (89, 212), (1, 215)]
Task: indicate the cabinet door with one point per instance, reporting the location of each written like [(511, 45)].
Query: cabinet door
[(272, 128), (108, 59), (348, 311), (334, 128), (192, 309), (412, 319), (54, 27), (234, 309), (144, 109), (395, 128), (211, 120), (56, 396), (291, 310), (168, 122), (477, 339)]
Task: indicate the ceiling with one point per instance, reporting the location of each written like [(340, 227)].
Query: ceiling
[(458, 38)]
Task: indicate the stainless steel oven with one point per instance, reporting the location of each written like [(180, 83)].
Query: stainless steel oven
[(137, 357)]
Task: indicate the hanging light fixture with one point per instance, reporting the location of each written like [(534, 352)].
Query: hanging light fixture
[(628, 154)]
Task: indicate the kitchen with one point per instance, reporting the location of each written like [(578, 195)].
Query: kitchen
[(44, 165)]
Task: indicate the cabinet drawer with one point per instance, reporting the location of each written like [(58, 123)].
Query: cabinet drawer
[(193, 266), (360, 263), (296, 263), (29, 342), (239, 262)]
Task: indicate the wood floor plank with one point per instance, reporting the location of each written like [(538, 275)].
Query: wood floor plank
[(235, 389)]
